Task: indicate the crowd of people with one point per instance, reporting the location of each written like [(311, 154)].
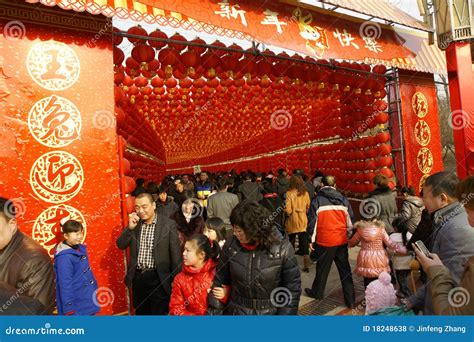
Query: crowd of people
[(227, 244)]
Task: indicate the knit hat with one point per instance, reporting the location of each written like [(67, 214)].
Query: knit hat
[(380, 294)]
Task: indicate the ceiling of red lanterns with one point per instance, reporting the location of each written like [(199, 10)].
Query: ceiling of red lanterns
[(202, 102)]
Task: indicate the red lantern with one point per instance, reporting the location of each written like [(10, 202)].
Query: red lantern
[(382, 137), (117, 40), (171, 82), (190, 58), (157, 82), (381, 118), (119, 56), (219, 52), (138, 31), (132, 63), (168, 56), (178, 38), (380, 105), (384, 149), (157, 34), (141, 81), (198, 49), (143, 53)]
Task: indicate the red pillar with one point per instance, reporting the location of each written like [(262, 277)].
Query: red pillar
[(461, 87)]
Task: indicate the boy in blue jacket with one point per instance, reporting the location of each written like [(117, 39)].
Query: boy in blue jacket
[(76, 286)]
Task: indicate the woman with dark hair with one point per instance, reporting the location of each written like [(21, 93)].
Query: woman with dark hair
[(412, 208), (189, 219), (259, 265), (164, 205), (296, 207), (385, 203)]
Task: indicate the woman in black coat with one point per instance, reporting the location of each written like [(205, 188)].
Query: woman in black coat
[(189, 217), (258, 265)]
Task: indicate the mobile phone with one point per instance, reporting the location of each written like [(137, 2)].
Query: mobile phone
[(421, 246)]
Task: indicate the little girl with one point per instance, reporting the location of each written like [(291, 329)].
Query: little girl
[(380, 294), (215, 230), (402, 263), (373, 258), (76, 285), (193, 284)]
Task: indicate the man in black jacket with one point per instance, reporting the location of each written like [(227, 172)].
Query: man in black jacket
[(25, 266), (155, 257)]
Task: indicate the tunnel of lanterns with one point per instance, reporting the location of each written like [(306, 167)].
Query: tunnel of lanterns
[(183, 103)]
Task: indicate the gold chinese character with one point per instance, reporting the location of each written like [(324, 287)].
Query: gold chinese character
[(345, 38), (422, 133), (228, 11), (372, 45), (271, 18)]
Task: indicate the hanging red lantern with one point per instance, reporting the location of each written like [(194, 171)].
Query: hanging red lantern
[(219, 52), (168, 56), (157, 82), (210, 60), (141, 81), (179, 38), (119, 76), (131, 63), (382, 137), (138, 31), (387, 172), (384, 149), (379, 69), (117, 40), (198, 49), (119, 56), (143, 53), (190, 58), (171, 83), (185, 83), (237, 54), (381, 118), (380, 105), (157, 34), (384, 161)]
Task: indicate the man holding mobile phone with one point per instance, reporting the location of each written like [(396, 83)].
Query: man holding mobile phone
[(452, 239), (155, 257)]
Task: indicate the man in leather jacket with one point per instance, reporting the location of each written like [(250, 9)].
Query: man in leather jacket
[(24, 266)]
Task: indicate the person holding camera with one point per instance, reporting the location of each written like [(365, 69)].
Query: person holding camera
[(444, 288), (452, 238)]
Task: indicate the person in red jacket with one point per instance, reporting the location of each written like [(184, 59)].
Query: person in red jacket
[(192, 285)]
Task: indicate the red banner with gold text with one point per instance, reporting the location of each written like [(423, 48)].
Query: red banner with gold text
[(58, 145), (421, 131), (317, 33)]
